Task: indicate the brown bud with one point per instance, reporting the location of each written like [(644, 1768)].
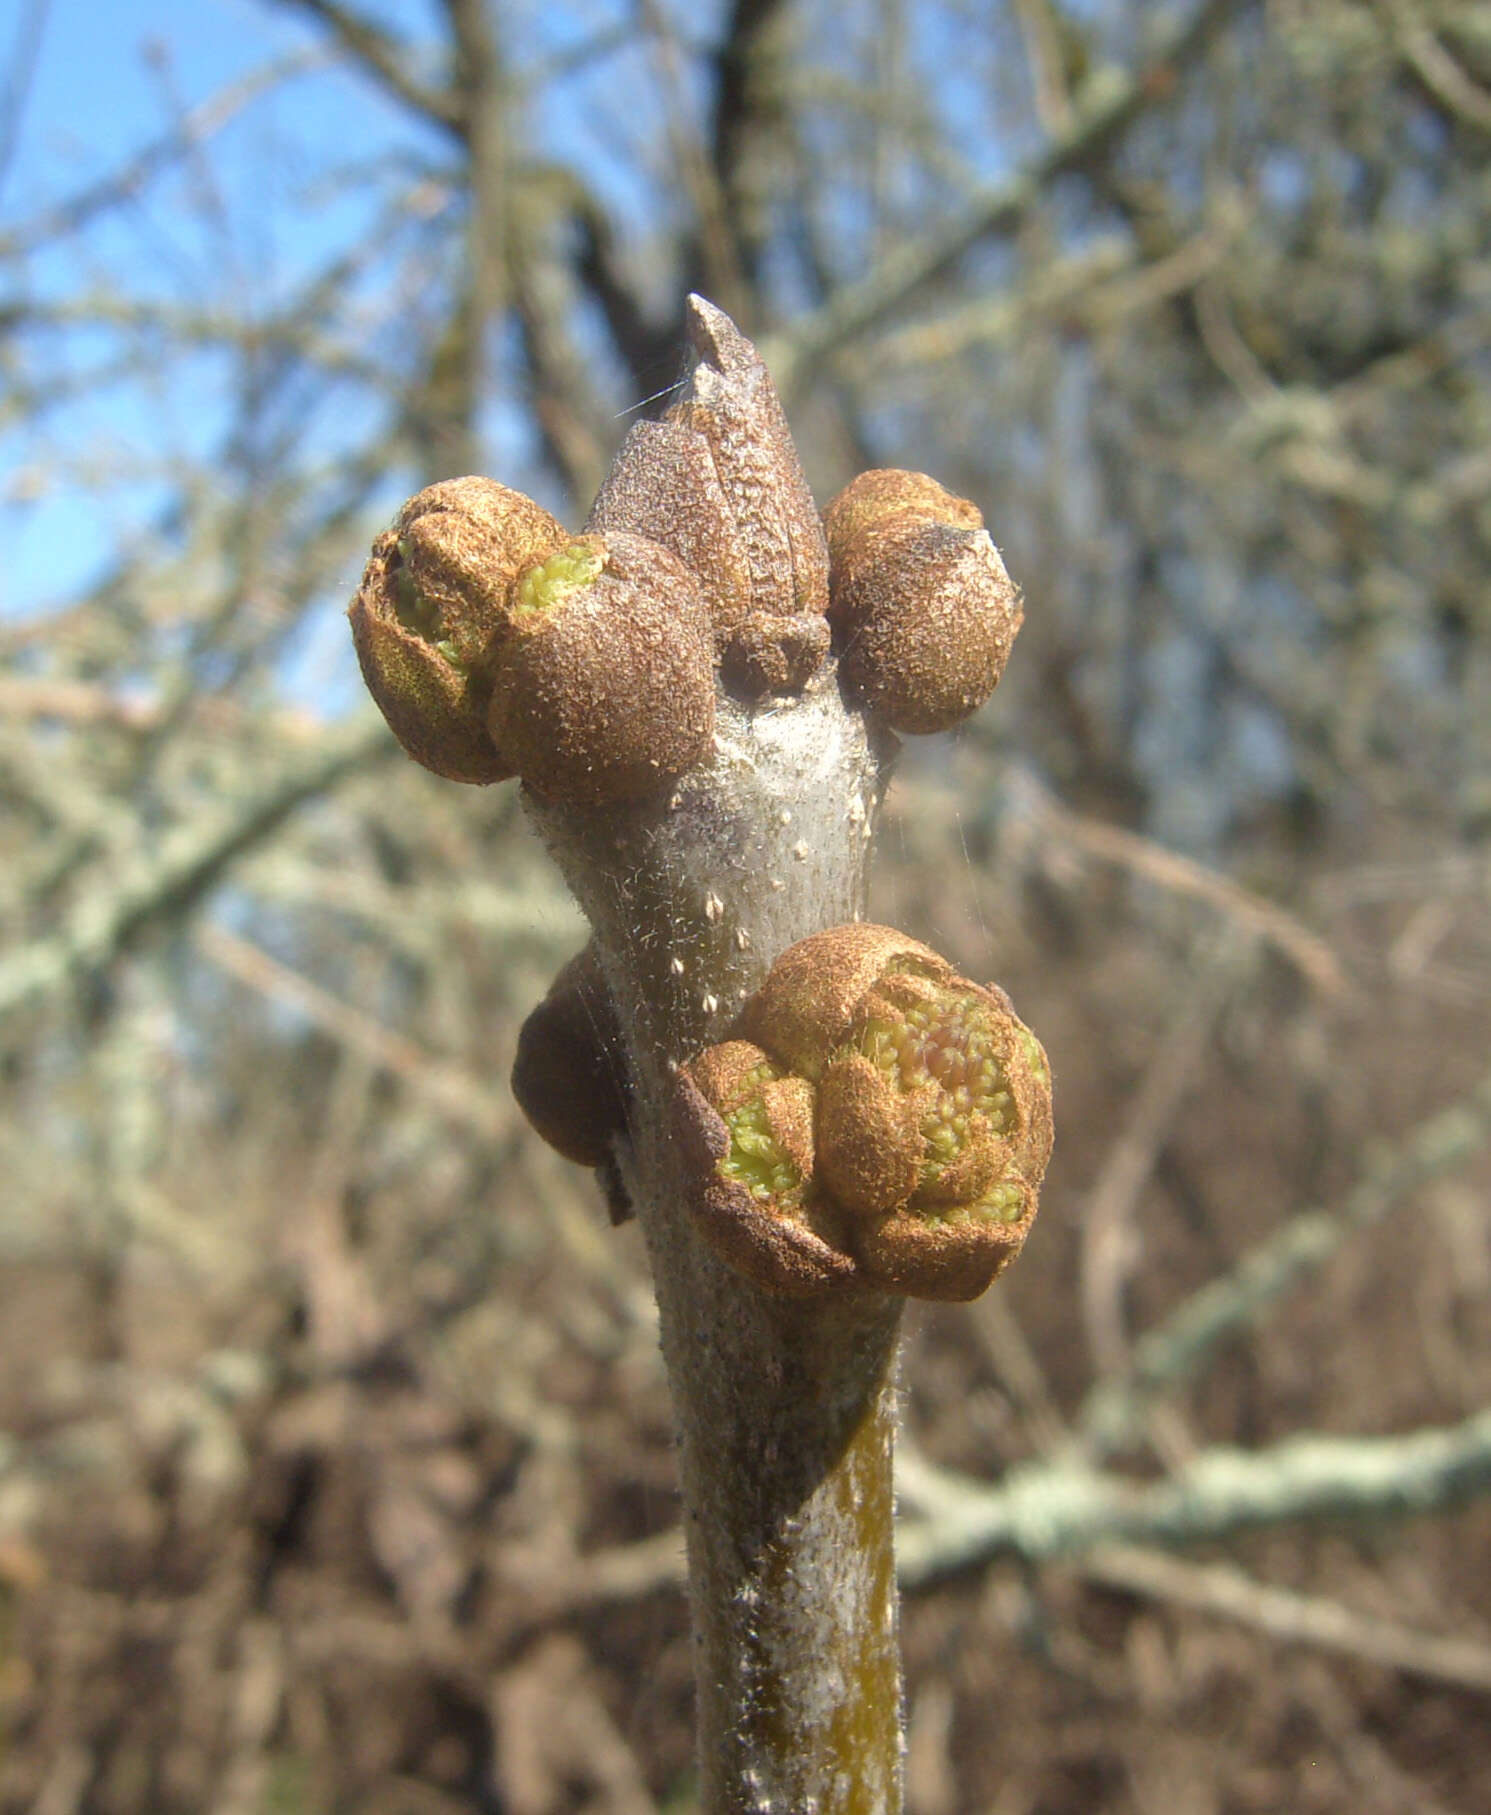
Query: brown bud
[(745, 1129), (569, 1074), (774, 655), (869, 1156), (889, 492), (977, 1082), (605, 688), (804, 1009), (931, 1119), (719, 485), (921, 605), (430, 610), (663, 484), (733, 404)]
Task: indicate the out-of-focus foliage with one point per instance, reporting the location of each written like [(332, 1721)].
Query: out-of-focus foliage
[(333, 1453)]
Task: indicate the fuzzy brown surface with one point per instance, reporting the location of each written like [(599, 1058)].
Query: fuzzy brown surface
[(433, 604), (610, 693), (926, 616), (663, 484), (569, 1072)]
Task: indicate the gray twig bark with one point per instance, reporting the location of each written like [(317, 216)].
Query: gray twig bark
[(785, 1409)]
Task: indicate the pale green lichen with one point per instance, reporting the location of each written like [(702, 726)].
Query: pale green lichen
[(569, 569)]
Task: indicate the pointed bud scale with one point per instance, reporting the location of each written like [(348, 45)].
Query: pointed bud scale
[(730, 406), (931, 1122), (432, 607), (733, 404), (605, 688), (662, 484), (921, 605)]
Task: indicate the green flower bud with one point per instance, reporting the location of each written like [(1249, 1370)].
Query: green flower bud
[(930, 1113), (746, 1130)]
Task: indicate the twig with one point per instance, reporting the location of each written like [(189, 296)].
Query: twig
[(1109, 1240), (1438, 70), (1305, 950), (384, 56), (1106, 105), (165, 882), (631, 1571), (446, 1086), (67, 217)]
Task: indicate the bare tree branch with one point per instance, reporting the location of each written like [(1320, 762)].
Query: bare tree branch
[(385, 57), (1179, 1347), (1110, 102), (167, 880), (1050, 1509), (1292, 1619)]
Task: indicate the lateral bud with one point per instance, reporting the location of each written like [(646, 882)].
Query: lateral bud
[(431, 611), (605, 689), (569, 1074), (922, 608), (929, 1106)]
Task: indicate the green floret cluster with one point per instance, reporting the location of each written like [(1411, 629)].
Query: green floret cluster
[(756, 1158), (415, 612), (566, 571), (1004, 1203), (1035, 1058), (945, 1042)]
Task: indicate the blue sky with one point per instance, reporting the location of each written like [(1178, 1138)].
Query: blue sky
[(107, 79)]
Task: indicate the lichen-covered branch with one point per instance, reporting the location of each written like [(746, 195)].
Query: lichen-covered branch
[(1060, 1508), (1178, 1347)]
